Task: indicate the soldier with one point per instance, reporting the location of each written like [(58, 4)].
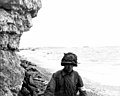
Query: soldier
[(66, 82)]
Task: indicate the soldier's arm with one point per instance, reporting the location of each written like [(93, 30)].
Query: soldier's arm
[(82, 91), (80, 86), (50, 89)]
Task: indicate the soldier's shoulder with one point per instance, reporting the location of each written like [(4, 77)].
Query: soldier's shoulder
[(57, 72), (75, 72)]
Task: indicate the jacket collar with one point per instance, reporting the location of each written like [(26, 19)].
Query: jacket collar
[(63, 72)]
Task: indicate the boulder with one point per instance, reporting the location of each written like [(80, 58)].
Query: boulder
[(35, 80)]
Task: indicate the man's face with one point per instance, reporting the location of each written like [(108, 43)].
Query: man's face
[(68, 68)]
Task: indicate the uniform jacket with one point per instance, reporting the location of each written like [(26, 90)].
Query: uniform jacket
[(64, 84)]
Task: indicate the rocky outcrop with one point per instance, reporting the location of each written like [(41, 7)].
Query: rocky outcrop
[(35, 80), (15, 18), (11, 74)]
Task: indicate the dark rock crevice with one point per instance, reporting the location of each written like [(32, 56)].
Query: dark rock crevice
[(35, 80)]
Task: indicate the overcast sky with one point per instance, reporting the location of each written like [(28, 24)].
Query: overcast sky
[(75, 23)]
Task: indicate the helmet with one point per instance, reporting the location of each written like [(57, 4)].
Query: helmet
[(69, 58)]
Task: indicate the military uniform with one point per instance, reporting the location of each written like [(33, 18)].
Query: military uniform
[(63, 84), (66, 82)]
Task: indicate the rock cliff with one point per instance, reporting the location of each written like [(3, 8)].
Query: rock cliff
[(15, 18)]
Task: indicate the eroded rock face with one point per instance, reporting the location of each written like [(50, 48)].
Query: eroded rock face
[(15, 18), (11, 74)]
